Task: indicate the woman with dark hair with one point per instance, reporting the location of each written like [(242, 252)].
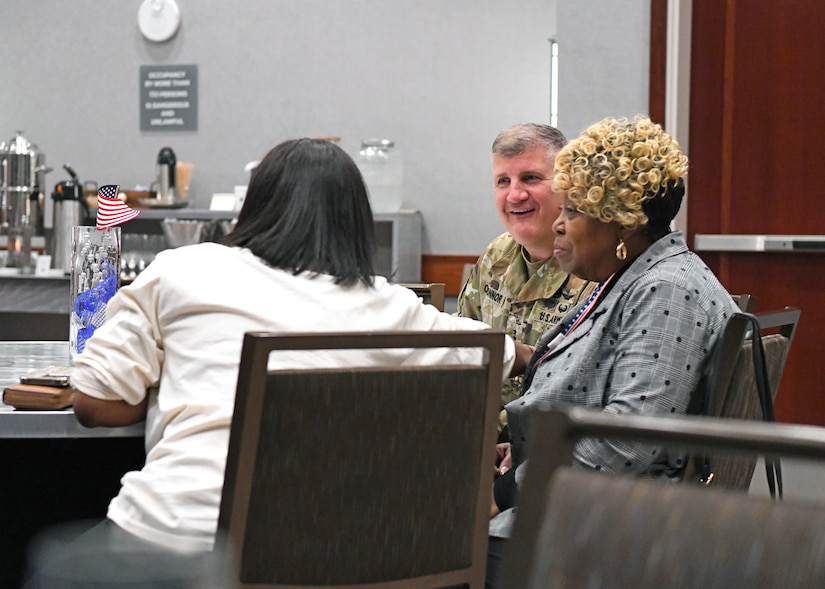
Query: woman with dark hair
[(640, 343), (299, 259), (306, 209)]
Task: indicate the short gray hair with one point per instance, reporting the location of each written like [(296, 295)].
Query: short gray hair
[(519, 138)]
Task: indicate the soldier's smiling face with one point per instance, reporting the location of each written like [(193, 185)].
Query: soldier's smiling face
[(526, 201)]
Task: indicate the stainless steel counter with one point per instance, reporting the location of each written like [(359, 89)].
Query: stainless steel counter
[(34, 294), (18, 358)]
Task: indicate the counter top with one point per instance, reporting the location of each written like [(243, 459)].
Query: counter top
[(51, 273), (210, 215), (186, 213), (18, 358)]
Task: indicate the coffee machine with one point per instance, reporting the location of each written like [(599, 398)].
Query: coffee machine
[(24, 170)]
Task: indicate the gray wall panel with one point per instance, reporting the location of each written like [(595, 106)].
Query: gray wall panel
[(439, 77)]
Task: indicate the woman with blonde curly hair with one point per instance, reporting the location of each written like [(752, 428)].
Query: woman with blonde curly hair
[(641, 342)]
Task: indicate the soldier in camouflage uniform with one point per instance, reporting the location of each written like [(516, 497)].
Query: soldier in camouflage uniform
[(517, 285)]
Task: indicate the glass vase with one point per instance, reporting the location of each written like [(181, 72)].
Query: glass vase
[(95, 278)]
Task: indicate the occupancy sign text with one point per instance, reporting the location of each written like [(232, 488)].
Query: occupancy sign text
[(168, 98)]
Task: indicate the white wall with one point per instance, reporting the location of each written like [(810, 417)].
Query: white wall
[(604, 55), (439, 77)]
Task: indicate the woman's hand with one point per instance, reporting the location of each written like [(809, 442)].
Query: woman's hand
[(504, 459), (494, 510), (504, 462)]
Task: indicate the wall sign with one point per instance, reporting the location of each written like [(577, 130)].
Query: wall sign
[(168, 98)]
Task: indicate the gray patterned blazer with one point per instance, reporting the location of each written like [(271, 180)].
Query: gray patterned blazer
[(642, 351)]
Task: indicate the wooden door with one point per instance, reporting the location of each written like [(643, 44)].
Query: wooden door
[(757, 131)]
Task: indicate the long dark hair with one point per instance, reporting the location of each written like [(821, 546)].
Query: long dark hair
[(307, 210)]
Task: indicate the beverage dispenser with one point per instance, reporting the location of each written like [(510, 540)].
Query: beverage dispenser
[(382, 167), (70, 209), (167, 172), (22, 215)]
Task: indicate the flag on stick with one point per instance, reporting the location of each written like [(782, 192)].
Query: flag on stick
[(111, 210)]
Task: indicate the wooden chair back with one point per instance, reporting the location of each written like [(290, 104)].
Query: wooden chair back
[(432, 293), (578, 528), (362, 476), (733, 393), (744, 301)]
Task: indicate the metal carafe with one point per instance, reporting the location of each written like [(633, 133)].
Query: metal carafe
[(167, 172), (70, 209), (23, 179)]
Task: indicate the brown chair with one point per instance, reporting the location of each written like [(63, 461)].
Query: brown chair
[(362, 476), (745, 302), (579, 528), (431, 293), (733, 393)]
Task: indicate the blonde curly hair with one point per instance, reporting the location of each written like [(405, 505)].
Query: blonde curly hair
[(623, 171)]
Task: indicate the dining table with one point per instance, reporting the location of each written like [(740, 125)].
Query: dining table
[(18, 358), (52, 469)]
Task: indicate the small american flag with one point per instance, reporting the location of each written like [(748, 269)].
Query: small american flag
[(111, 210)]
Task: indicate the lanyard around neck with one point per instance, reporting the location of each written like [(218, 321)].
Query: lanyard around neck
[(588, 306), (580, 316)]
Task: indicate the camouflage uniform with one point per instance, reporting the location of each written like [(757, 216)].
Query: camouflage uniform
[(499, 293)]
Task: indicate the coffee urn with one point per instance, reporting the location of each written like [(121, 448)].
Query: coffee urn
[(23, 179), (167, 172), (70, 209)]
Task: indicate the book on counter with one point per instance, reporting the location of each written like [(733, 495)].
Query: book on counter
[(46, 388), (37, 396)]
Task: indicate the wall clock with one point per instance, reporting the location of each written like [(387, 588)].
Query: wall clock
[(158, 20)]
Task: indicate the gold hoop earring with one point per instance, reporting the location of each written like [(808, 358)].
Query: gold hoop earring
[(621, 250)]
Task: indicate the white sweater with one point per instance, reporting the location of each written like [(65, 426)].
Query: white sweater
[(180, 326)]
